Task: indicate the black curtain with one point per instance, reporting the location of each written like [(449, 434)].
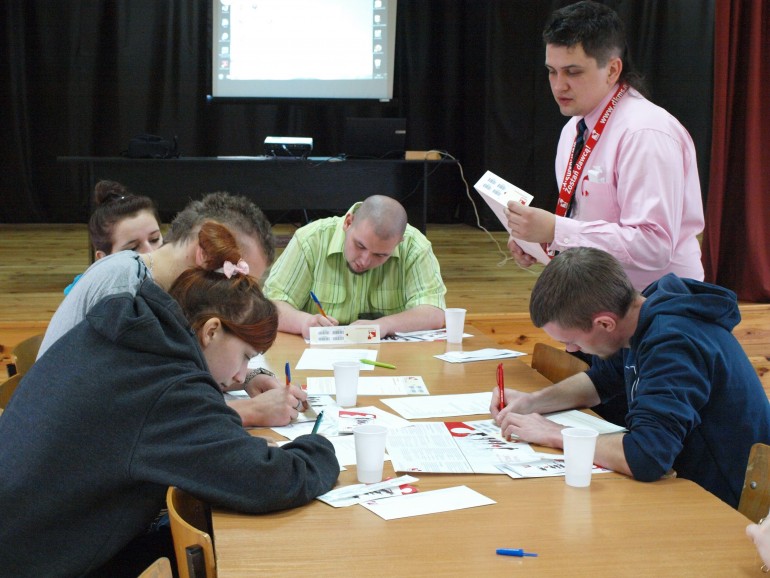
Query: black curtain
[(80, 78)]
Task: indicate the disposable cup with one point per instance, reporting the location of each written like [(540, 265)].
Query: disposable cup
[(346, 382), (370, 452), (579, 447), (455, 324)]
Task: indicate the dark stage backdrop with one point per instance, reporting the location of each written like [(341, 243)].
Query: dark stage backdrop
[(80, 78)]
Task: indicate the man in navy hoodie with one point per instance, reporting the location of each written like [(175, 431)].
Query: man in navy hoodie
[(695, 403)]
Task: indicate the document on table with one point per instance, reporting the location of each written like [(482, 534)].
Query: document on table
[(424, 335), (323, 358), (441, 405), (379, 385), (345, 450), (330, 424), (454, 448), (545, 467), (569, 418), (577, 418), (357, 493), (497, 193), (435, 501), (478, 355)]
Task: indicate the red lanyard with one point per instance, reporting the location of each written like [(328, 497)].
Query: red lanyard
[(572, 174)]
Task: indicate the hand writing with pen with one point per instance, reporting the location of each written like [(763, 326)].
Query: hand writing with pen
[(518, 418)]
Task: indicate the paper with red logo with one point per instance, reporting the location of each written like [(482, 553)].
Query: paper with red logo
[(497, 193)]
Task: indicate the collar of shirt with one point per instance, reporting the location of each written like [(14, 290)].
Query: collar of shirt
[(593, 117)]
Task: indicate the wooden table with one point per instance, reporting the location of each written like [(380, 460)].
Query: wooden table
[(616, 527)]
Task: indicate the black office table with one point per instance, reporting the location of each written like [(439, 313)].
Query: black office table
[(273, 183)]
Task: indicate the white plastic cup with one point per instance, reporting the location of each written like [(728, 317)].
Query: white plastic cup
[(454, 319), (370, 452), (579, 447), (346, 382)]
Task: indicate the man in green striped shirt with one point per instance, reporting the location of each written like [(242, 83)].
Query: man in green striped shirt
[(369, 264)]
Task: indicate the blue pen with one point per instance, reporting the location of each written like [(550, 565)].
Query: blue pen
[(519, 552), (317, 303), (288, 374)]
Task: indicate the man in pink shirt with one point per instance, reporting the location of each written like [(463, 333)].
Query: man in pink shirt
[(629, 183)]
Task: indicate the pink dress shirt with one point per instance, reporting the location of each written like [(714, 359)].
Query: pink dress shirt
[(639, 195)]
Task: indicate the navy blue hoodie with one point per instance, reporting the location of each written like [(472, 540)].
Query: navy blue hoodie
[(117, 410), (695, 403)]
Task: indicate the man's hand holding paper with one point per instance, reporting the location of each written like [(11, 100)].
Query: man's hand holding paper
[(527, 225), (530, 223)]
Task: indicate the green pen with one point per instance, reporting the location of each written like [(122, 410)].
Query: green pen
[(317, 422), (378, 363)]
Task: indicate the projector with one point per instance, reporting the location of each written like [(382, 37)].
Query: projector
[(288, 146)]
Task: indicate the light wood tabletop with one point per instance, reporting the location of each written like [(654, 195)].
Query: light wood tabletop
[(615, 527)]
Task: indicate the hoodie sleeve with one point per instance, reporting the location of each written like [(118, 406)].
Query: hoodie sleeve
[(668, 389), (193, 440)]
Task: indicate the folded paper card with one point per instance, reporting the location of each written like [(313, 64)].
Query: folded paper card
[(498, 193), (344, 334)]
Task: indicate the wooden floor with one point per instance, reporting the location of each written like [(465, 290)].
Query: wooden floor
[(38, 261)]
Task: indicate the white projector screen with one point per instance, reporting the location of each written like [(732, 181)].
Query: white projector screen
[(303, 49)]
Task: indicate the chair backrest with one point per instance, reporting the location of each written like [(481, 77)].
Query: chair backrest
[(26, 353), (161, 568), (555, 364), (7, 388), (755, 496), (190, 520)]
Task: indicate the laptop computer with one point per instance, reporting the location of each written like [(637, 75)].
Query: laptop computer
[(374, 138)]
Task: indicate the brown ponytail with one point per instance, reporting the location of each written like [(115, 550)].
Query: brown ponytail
[(237, 301)]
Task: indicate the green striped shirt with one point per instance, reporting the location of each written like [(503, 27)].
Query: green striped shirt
[(314, 261)]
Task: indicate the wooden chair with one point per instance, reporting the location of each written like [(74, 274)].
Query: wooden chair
[(161, 568), (7, 388), (191, 530), (555, 364), (26, 353), (755, 496)]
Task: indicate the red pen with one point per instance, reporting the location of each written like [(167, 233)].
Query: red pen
[(501, 385)]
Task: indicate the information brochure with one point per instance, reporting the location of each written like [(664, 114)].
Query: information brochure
[(497, 193)]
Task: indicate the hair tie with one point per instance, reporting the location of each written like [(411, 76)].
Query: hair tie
[(229, 269)]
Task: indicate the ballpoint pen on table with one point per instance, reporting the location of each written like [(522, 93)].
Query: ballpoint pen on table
[(501, 386), (317, 422), (378, 363), (317, 303), (519, 552)]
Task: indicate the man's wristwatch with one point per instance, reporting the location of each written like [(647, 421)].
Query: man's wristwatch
[(255, 372)]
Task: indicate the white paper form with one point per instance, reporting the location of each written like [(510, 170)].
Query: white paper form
[(423, 335), (569, 418), (545, 467), (330, 422), (497, 192), (323, 358), (454, 448), (478, 355), (433, 502), (577, 418), (259, 361), (441, 405), (344, 450), (357, 493), (379, 385)]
